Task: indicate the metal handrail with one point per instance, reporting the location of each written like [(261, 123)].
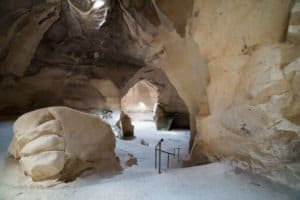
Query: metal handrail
[(178, 152), (163, 151), (159, 150)]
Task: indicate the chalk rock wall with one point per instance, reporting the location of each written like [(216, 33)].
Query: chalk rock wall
[(79, 54), (251, 89), (249, 124), (234, 65), (236, 69), (168, 96), (60, 143), (53, 53), (58, 87), (21, 39)]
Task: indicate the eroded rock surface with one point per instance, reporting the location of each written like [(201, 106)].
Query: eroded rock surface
[(24, 36), (125, 124), (240, 85), (234, 65), (60, 143), (251, 89)]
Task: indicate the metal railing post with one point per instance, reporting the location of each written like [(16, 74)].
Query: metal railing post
[(159, 157), (174, 150), (155, 162), (159, 151)]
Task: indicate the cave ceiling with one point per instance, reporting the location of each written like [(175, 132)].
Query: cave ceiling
[(86, 33)]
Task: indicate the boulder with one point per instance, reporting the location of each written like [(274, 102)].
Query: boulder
[(127, 129), (59, 142)]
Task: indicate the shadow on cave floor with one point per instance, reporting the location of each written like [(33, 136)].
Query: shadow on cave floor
[(6, 132)]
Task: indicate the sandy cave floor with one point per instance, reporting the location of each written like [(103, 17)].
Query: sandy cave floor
[(214, 181)]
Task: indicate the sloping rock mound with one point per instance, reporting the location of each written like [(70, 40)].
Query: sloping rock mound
[(60, 143)]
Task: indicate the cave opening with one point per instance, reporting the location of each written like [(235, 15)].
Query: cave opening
[(145, 102), (154, 109), (140, 100)]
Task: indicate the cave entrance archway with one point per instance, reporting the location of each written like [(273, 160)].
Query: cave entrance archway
[(139, 102), (146, 101), (150, 90), (157, 111)]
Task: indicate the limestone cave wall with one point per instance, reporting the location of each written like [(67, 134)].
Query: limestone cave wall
[(236, 69), (234, 65)]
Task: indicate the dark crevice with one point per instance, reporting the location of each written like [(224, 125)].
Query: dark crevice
[(49, 16)]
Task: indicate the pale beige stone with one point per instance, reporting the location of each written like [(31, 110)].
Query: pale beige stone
[(292, 74), (226, 28), (246, 121), (49, 127), (62, 145), (44, 165), (262, 76), (43, 143), (85, 135), (110, 91)]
